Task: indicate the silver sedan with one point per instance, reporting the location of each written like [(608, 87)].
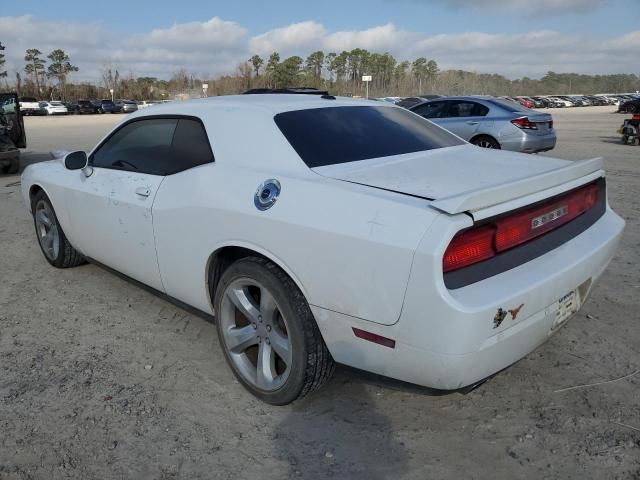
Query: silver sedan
[(491, 122)]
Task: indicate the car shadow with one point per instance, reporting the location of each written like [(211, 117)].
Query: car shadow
[(614, 140), (339, 432)]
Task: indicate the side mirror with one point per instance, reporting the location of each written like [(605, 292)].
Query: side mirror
[(75, 160)]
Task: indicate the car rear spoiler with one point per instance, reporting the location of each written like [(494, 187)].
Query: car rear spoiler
[(487, 197)]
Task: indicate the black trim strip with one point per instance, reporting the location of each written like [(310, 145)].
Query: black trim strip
[(533, 249)]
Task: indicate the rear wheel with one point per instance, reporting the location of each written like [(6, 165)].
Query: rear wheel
[(51, 238), (485, 141), (268, 334)]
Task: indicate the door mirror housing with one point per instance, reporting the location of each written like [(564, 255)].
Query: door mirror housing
[(76, 160)]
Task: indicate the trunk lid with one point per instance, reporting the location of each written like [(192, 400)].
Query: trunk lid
[(465, 178)]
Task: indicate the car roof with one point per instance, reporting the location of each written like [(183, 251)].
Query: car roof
[(271, 103)]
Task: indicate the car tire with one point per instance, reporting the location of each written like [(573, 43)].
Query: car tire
[(53, 242), (625, 139), (486, 141), (258, 306)]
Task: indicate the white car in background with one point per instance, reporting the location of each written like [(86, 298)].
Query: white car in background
[(145, 103), (322, 229), (54, 108), (561, 102)]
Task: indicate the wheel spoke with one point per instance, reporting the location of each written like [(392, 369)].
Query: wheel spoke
[(266, 373), (268, 305), (243, 302), (43, 218), (280, 345), (239, 339), (48, 240)]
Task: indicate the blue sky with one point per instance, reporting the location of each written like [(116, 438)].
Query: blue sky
[(600, 17), (512, 37)]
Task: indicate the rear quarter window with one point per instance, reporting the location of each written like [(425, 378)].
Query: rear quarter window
[(332, 135)]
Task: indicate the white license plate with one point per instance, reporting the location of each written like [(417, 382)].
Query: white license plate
[(567, 306)]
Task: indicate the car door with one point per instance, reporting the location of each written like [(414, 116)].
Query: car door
[(111, 209), (464, 117)]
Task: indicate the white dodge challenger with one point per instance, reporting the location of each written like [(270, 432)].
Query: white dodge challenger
[(321, 229)]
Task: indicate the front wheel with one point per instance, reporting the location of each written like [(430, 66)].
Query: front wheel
[(13, 167), (51, 238), (268, 333), (486, 142)]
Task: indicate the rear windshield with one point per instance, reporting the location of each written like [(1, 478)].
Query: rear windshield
[(332, 135), (509, 105)]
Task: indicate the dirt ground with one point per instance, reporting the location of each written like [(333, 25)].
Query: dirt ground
[(100, 379)]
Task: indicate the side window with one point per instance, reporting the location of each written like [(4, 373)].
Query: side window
[(467, 109), (142, 146), (431, 110), (191, 146)]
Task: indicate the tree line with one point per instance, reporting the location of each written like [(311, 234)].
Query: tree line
[(340, 73)]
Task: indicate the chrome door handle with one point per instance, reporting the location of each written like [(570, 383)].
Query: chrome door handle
[(143, 191)]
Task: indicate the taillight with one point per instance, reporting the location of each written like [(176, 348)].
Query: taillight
[(550, 124), (524, 123), (481, 243), (469, 247)]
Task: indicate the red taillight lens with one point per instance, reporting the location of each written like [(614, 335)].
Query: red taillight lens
[(524, 123), (524, 226), (469, 247), (481, 243)]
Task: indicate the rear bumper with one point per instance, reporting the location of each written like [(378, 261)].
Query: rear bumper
[(447, 339), (529, 143)]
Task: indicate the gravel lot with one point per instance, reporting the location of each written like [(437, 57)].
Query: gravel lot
[(101, 379)]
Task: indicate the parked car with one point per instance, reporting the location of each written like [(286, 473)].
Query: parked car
[(535, 103), (630, 106), (525, 102), (544, 102), (106, 106), (54, 108), (562, 102), (410, 101), (491, 122), (145, 103), (430, 97), (86, 106), (126, 106), (451, 262), (31, 106), (12, 133)]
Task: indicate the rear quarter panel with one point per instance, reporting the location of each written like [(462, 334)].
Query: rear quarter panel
[(348, 247)]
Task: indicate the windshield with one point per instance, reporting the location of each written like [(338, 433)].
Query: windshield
[(327, 136)]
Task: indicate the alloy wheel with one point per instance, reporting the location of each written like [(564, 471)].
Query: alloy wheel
[(255, 334), (47, 229)]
